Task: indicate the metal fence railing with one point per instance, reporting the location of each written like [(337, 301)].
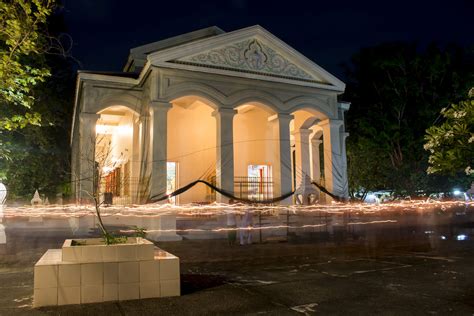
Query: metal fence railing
[(120, 190), (126, 192), (253, 188)]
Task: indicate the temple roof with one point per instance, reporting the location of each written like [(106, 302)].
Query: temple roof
[(133, 75), (137, 57)]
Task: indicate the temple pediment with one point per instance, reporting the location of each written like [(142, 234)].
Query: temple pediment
[(252, 56), (251, 53)]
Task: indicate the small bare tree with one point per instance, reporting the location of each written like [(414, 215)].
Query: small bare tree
[(103, 164)]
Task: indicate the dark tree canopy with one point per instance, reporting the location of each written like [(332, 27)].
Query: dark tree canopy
[(37, 156), (397, 91), (24, 41), (451, 142)]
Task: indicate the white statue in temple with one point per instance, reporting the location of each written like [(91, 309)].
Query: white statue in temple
[(36, 200)]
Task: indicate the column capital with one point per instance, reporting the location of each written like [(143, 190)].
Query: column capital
[(282, 117), (344, 135), (331, 123), (345, 106), (316, 141), (303, 132), (160, 106), (142, 118), (224, 112), (89, 116)]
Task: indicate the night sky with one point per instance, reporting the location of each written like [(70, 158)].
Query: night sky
[(327, 32)]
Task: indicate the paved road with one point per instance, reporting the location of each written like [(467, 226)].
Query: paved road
[(389, 278)]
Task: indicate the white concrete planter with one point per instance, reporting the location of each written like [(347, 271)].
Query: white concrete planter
[(94, 272)]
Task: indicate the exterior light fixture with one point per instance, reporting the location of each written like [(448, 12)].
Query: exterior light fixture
[(461, 237)]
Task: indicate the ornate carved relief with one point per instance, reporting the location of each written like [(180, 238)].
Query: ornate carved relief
[(249, 56)]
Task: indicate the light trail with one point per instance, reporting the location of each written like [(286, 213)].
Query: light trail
[(227, 229), (326, 216), (373, 222), (216, 209)]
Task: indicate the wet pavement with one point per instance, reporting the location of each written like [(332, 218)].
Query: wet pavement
[(393, 278), (414, 269)]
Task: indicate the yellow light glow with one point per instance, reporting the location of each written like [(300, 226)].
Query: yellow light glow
[(124, 129), (107, 169), (104, 129)]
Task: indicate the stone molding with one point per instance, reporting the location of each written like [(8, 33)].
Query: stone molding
[(88, 117), (282, 117), (160, 106), (303, 131), (252, 56), (332, 123), (224, 112), (323, 79)]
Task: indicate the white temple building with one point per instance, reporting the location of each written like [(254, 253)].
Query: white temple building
[(242, 110)]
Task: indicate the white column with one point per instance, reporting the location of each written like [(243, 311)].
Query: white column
[(303, 169), (143, 159), (75, 165), (225, 151), (345, 179), (134, 157), (165, 225), (305, 192), (158, 147), (316, 165), (333, 169), (282, 171), (316, 162), (87, 164)]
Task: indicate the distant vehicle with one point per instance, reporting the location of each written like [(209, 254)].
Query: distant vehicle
[(378, 197), (456, 195)]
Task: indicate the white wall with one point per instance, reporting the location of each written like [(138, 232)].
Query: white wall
[(122, 139), (255, 140)]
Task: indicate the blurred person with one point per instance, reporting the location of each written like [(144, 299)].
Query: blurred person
[(231, 225), (246, 228)]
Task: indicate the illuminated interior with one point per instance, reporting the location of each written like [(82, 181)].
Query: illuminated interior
[(116, 154), (192, 146), (256, 143)]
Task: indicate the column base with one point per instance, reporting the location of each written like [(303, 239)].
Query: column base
[(222, 199), (306, 194), (163, 228)]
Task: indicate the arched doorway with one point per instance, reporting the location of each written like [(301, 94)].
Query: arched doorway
[(191, 148), (117, 159), (256, 155), (308, 155)]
